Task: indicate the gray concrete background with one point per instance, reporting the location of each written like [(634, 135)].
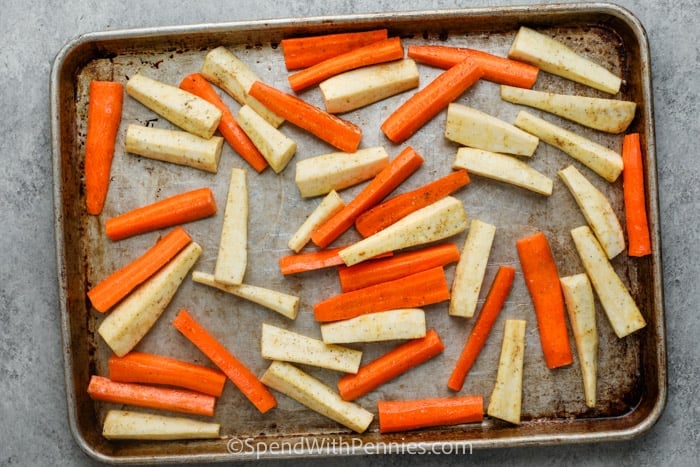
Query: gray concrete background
[(32, 402)]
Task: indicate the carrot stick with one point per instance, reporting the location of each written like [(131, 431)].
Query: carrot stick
[(416, 290), (304, 262), (542, 280), (104, 116), (500, 70), (234, 135), (140, 367), (335, 131), (390, 365), (398, 207), (400, 265), (420, 413), (301, 52), (237, 372), (500, 288), (371, 54), (184, 207), (117, 285), (429, 101), (178, 400), (377, 189), (635, 204)]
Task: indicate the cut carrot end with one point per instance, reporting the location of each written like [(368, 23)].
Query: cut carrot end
[(179, 209), (390, 365), (495, 299), (419, 289), (429, 101), (234, 135), (140, 367), (398, 170), (634, 196), (119, 284), (413, 414), (104, 116), (542, 280), (237, 372), (142, 395)]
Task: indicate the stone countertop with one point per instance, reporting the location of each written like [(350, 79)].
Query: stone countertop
[(33, 407)]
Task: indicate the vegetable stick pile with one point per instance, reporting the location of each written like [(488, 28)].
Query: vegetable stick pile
[(397, 268)]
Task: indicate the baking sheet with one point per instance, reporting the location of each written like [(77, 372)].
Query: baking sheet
[(631, 372)]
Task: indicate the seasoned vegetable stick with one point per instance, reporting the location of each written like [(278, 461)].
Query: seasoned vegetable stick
[(315, 395), (182, 108), (476, 129), (471, 268), (319, 175), (134, 316), (176, 147), (506, 398), (232, 258), (284, 304), (503, 168), (557, 58), (288, 346), (224, 69), (619, 306), (609, 115), (603, 161), (578, 296), (363, 86), (597, 210), (124, 424)]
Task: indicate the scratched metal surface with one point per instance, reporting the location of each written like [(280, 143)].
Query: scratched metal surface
[(631, 371)]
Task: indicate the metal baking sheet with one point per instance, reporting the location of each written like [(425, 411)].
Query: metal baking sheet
[(631, 372)]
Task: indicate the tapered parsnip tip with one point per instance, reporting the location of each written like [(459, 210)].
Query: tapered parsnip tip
[(578, 296), (601, 159), (609, 115), (503, 168), (437, 221)]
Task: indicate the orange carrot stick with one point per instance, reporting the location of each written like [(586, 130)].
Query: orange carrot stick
[(143, 395), (390, 365), (184, 207), (237, 372), (376, 190), (304, 262), (234, 135), (421, 413), (429, 101), (391, 210), (500, 288), (419, 289), (301, 52), (335, 131), (634, 196), (542, 280), (371, 54), (104, 116), (400, 265), (140, 367), (497, 69), (117, 285)]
